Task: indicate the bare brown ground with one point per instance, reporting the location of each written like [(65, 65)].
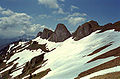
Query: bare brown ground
[(114, 75), (98, 50), (110, 64), (39, 75), (114, 52)]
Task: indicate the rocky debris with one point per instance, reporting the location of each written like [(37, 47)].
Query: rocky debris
[(46, 33), (60, 34), (85, 30), (39, 34)]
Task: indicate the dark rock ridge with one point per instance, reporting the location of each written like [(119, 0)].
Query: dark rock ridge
[(85, 30), (110, 26), (60, 34), (92, 26), (39, 34), (46, 33)]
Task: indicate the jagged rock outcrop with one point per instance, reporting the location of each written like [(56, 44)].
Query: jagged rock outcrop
[(33, 63), (39, 34), (85, 30), (110, 26), (117, 24), (60, 34), (46, 33)]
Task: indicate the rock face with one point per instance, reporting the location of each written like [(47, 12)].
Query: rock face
[(85, 30), (60, 34), (39, 34), (33, 63), (110, 26), (46, 33)]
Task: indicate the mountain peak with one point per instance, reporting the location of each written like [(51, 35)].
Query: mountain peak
[(60, 34), (61, 26), (117, 23), (46, 33), (84, 30), (38, 58), (91, 24)]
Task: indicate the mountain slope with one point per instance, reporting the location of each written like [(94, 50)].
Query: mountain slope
[(94, 55)]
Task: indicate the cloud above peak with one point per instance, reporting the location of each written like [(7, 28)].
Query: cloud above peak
[(14, 24), (74, 7), (53, 4), (59, 11), (74, 18), (1, 8), (49, 3)]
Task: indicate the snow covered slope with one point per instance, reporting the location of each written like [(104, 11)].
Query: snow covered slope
[(82, 59)]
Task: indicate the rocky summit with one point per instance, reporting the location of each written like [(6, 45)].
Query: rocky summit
[(60, 34), (46, 33), (85, 30), (91, 52)]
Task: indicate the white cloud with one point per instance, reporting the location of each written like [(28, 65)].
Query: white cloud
[(74, 7), (53, 4), (74, 18), (62, 0), (16, 20), (43, 16), (77, 14), (49, 3), (35, 27), (7, 12), (59, 11), (22, 32), (15, 24), (1, 8)]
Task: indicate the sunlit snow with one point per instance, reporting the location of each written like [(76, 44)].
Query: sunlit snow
[(70, 58)]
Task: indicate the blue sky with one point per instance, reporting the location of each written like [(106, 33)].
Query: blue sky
[(18, 17)]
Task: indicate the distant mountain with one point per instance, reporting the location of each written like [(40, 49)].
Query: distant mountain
[(4, 42), (25, 37), (91, 52)]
